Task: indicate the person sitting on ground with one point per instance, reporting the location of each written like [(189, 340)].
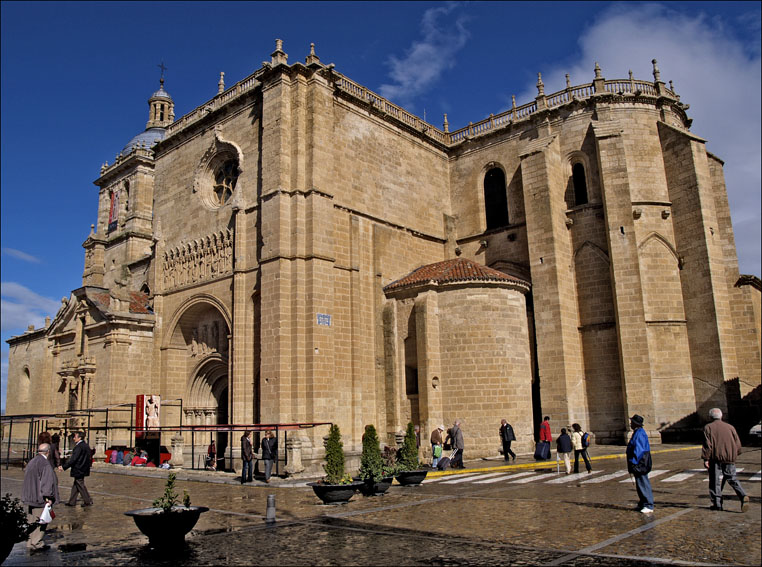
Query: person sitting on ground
[(127, 458), (140, 460)]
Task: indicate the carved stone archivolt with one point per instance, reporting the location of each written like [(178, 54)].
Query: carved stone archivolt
[(198, 260)]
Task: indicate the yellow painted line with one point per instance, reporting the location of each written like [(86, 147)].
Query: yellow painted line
[(545, 464)]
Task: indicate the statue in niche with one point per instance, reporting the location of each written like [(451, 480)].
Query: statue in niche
[(215, 337), (204, 344), (194, 342)]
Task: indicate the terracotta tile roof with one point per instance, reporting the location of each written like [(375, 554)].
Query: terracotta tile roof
[(100, 299), (139, 302), (452, 271)]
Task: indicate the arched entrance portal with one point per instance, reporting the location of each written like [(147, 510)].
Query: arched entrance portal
[(200, 344), (208, 397)]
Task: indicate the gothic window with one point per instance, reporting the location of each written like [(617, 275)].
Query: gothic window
[(580, 184), (495, 199), (411, 381), (225, 178)]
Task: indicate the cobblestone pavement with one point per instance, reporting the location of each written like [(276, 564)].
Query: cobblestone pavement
[(523, 513)]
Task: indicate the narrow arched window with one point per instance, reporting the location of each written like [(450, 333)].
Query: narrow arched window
[(495, 200), (580, 184), (25, 385)]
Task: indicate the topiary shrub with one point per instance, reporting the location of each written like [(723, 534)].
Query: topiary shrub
[(371, 464), (334, 458), (408, 459)]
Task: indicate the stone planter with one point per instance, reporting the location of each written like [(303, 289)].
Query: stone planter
[(369, 488), (6, 546), (165, 529), (335, 493), (411, 478)]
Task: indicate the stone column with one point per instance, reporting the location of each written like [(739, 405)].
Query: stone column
[(100, 446), (294, 455), (177, 460)]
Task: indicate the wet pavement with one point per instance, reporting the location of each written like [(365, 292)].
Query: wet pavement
[(522, 513)]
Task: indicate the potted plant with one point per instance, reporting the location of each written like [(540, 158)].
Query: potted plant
[(337, 487), (13, 525), (167, 523), (372, 465), (411, 471), (389, 456)]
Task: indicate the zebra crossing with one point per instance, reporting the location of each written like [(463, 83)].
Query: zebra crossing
[(596, 477)]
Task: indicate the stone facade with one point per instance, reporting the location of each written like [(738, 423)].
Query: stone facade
[(261, 261)]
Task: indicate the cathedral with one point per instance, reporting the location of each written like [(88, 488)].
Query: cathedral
[(298, 249)]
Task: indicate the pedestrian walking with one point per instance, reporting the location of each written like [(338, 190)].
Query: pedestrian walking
[(55, 450), (720, 450), (79, 463), (639, 464), (269, 453), (458, 445), (211, 456), (580, 449), (564, 449), (53, 457), (542, 451), (40, 488), (247, 456), (507, 437), (417, 431), (436, 446)]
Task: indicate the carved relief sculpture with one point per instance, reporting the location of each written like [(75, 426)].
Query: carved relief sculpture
[(199, 260)]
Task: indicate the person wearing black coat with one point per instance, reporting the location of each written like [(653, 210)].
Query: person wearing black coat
[(247, 455), (507, 436), (79, 462), (564, 449), (269, 453)]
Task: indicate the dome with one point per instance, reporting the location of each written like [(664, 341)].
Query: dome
[(148, 138), (161, 93)]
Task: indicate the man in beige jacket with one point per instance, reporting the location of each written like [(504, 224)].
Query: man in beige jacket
[(721, 448)]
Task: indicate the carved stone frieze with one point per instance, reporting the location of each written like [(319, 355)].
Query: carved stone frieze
[(199, 260)]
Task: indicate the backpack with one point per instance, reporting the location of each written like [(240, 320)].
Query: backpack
[(585, 440)]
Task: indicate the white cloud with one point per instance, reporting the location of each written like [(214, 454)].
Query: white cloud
[(714, 73), (21, 255), (21, 307), (426, 60)]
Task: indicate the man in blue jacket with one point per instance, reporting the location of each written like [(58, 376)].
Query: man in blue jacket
[(639, 464)]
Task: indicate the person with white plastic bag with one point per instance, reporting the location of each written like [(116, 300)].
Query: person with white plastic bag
[(39, 492)]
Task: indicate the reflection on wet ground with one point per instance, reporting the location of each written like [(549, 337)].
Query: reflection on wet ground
[(437, 524)]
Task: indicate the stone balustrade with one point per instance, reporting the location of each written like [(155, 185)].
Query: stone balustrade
[(630, 87)]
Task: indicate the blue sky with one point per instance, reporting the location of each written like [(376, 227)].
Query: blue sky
[(76, 78)]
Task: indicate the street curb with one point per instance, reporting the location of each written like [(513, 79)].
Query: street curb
[(545, 464)]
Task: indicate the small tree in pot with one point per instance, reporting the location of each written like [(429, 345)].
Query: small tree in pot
[(337, 486), (411, 470), (167, 523), (372, 465)]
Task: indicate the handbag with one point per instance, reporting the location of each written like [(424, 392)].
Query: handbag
[(437, 451)]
